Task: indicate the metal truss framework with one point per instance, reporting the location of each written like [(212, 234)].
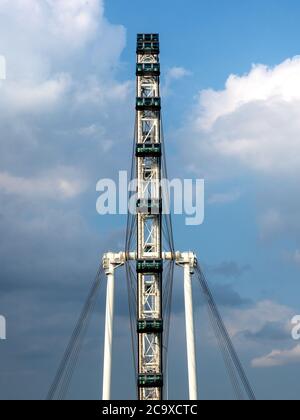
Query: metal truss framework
[(149, 221), (149, 255)]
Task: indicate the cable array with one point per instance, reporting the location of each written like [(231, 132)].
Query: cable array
[(233, 364), (63, 377)]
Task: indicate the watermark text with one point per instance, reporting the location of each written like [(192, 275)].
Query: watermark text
[(2, 328), (180, 197), (2, 68), (296, 328)]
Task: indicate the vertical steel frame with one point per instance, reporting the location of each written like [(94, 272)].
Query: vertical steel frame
[(149, 219)]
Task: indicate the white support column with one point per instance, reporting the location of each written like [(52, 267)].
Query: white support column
[(190, 334), (110, 263), (109, 325), (188, 261)]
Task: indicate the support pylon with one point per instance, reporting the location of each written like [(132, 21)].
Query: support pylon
[(187, 261)]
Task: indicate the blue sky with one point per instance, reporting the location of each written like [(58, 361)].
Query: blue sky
[(231, 98)]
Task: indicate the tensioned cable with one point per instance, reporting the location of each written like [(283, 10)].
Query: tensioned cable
[(165, 172), (224, 334), (69, 361), (133, 283), (226, 357), (168, 230), (165, 301), (166, 234), (77, 349), (166, 281), (131, 291), (168, 302), (233, 357), (132, 314), (64, 373), (167, 317), (131, 235), (131, 219)]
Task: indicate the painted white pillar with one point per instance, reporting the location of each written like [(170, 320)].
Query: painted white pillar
[(190, 333), (109, 326)]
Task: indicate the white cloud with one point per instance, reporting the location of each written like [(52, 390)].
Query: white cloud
[(254, 123), (75, 21), (54, 34), (69, 22), (31, 97), (251, 130), (173, 74), (253, 319), (177, 73), (102, 94), (278, 358), (61, 183), (60, 92), (262, 84)]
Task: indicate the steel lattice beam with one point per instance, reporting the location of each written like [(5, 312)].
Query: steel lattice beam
[(149, 225)]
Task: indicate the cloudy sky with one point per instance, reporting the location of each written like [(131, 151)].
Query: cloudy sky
[(231, 97)]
